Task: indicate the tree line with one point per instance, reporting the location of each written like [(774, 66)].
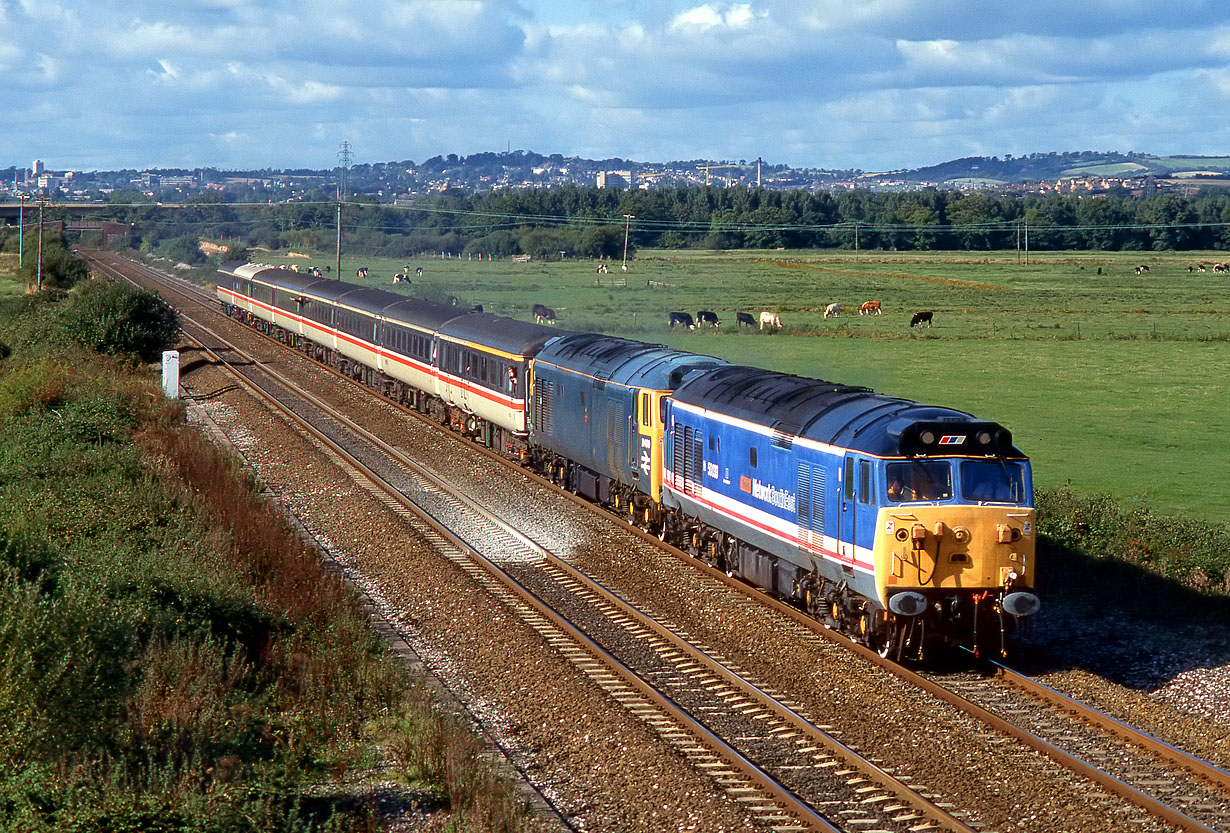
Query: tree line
[(597, 223)]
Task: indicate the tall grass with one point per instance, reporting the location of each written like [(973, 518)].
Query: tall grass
[(172, 655)]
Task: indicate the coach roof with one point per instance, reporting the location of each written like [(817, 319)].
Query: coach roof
[(506, 334)]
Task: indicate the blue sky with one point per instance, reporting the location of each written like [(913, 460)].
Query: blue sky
[(870, 84)]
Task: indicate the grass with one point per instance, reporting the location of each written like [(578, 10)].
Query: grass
[(172, 656), (1112, 381)]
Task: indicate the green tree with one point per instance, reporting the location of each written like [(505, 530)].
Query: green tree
[(60, 268)]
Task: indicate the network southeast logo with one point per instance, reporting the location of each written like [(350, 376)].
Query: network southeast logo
[(769, 494)]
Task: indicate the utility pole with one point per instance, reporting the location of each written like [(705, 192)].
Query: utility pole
[(21, 224), (41, 202), (628, 218), (344, 157)]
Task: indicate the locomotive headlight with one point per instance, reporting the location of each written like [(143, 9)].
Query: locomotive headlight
[(983, 438), (927, 437)]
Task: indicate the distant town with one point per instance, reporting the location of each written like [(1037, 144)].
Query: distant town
[(1085, 172)]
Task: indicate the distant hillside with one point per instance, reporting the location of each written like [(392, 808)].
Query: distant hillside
[(1051, 166)]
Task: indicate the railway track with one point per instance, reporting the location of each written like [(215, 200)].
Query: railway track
[(1151, 776), (784, 768)]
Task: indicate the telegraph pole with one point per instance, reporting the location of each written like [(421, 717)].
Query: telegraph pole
[(628, 218), (41, 202), (21, 224)]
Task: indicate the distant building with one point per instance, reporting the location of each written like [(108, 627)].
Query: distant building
[(614, 179), (38, 167)]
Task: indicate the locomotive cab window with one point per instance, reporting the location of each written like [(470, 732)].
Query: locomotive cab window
[(993, 481), (919, 480)]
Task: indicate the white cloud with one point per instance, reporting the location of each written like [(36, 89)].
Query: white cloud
[(806, 82)]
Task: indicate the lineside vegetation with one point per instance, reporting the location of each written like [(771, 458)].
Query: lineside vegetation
[(172, 656)]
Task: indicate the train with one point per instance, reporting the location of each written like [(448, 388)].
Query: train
[(907, 526)]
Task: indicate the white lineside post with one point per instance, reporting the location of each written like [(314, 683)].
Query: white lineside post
[(170, 373)]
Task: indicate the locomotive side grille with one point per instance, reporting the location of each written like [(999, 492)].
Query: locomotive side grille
[(810, 482), (614, 436), (544, 412)]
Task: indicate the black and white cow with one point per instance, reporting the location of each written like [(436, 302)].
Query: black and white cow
[(707, 317), (921, 318), (544, 315), (683, 319)]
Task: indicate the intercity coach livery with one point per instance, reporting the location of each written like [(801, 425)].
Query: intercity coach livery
[(902, 524)]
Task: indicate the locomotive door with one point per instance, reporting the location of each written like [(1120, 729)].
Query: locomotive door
[(855, 491), (845, 537)]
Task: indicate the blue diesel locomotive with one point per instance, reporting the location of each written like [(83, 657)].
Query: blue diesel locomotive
[(888, 519), (899, 523)]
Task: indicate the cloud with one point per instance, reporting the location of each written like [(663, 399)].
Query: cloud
[(804, 82)]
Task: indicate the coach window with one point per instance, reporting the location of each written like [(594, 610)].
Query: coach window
[(751, 456)]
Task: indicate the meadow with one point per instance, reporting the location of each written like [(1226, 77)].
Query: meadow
[(1112, 381)]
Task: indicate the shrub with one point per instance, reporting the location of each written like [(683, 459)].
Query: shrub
[(1194, 553), (112, 318)]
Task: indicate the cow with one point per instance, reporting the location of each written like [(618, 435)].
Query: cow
[(544, 315), (477, 307), (870, 308), (683, 319), (601, 268), (921, 318), (833, 310), (361, 272), (419, 272), (770, 319), (707, 317), (742, 318)]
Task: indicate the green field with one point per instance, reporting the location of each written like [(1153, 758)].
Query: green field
[(1112, 382)]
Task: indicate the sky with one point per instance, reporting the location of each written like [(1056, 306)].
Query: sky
[(876, 85)]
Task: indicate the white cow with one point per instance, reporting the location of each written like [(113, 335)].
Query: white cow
[(770, 319), (833, 310)]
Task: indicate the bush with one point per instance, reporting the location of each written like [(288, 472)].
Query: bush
[(1193, 553), (112, 318), (60, 268)]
